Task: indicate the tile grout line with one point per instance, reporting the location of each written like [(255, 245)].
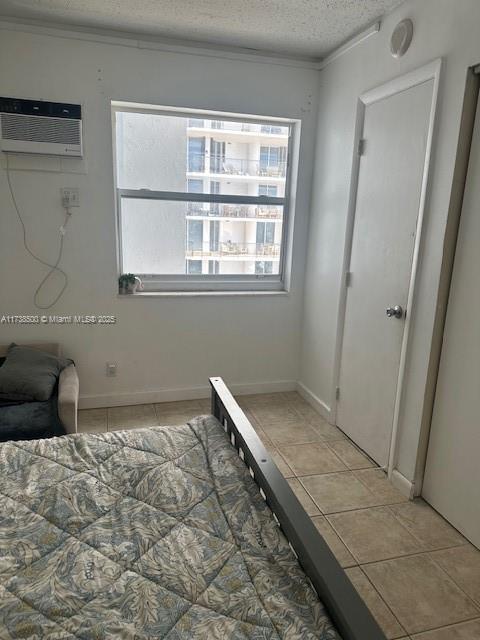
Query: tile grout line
[(406, 555), (371, 506), (373, 464), (474, 602), (357, 563), (403, 555), (306, 475), (447, 626), (327, 473), (425, 553), (442, 548), (386, 479), (384, 601)]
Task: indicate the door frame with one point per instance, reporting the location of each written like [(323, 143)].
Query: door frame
[(471, 104), (429, 71)]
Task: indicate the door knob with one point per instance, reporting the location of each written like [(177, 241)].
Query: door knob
[(395, 312)]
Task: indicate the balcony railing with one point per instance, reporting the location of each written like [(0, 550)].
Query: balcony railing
[(236, 166), (234, 211), (238, 126), (233, 249)]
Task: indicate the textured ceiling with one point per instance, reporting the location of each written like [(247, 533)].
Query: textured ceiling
[(311, 28)]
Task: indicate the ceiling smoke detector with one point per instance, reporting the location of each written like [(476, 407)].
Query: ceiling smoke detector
[(401, 38)]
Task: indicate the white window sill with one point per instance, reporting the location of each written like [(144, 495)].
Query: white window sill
[(199, 294)]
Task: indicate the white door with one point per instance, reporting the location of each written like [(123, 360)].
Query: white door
[(452, 474), (388, 199)]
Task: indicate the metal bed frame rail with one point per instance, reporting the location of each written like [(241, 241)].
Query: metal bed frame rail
[(349, 613)]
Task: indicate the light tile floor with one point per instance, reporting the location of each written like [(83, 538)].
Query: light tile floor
[(417, 574)]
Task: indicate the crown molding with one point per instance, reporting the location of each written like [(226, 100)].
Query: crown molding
[(185, 47), (349, 45), (149, 42)]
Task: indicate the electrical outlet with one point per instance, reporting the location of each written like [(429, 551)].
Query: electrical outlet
[(70, 197), (111, 369)]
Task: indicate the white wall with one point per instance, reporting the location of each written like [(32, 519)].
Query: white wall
[(442, 28), (159, 343)]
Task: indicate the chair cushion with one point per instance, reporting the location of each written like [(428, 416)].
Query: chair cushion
[(29, 375), (30, 420)]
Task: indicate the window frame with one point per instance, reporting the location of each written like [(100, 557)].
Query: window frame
[(184, 283)]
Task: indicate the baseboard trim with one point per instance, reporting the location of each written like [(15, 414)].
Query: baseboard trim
[(323, 409), (401, 483), (183, 393)]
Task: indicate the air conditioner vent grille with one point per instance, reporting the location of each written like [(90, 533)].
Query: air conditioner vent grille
[(28, 128)]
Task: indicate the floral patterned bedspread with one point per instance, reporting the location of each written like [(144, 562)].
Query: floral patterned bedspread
[(142, 534)]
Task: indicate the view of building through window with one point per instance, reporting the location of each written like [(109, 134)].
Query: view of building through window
[(192, 160)]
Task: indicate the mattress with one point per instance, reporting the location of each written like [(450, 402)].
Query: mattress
[(142, 534)]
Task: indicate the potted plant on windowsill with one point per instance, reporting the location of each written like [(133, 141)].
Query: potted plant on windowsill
[(129, 283)]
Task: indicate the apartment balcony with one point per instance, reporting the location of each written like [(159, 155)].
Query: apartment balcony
[(243, 212), (227, 250), (224, 130), (234, 167)]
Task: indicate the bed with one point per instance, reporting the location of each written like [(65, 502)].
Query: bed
[(184, 532)]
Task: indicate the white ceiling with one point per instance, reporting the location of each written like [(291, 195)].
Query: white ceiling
[(307, 28)]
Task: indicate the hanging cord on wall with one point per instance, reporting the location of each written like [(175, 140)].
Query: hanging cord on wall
[(52, 267)]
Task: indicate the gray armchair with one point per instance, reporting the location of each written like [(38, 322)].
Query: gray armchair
[(68, 385)]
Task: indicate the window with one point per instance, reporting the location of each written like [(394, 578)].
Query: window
[(267, 190), (273, 161), (263, 267), (268, 128), (196, 122), (217, 156), (213, 267), (194, 185), (196, 154), (265, 233), (214, 208), (194, 267), (194, 236), (165, 208), (214, 236)]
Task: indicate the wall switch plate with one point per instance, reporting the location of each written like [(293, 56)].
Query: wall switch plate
[(70, 197), (111, 369)]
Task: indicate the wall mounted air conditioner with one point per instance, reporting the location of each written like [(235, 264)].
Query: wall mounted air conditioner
[(37, 126)]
